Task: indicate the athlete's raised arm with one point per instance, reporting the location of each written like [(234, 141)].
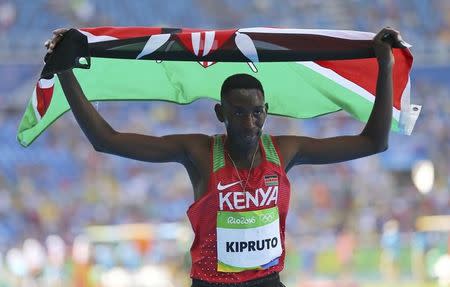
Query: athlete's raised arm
[(373, 139), (171, 148)]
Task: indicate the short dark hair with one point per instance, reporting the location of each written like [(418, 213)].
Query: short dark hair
[(240, 81)]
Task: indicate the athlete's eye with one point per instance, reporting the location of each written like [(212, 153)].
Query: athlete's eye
[(258, 112)]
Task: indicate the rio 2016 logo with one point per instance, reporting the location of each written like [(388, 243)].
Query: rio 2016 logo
[(241, 220)]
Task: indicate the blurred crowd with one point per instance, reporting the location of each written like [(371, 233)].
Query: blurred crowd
[(60, 185), (424, 23)]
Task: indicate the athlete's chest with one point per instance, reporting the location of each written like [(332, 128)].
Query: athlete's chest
[(246, 190)]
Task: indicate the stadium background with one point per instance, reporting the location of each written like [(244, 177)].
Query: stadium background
[(70, 216)]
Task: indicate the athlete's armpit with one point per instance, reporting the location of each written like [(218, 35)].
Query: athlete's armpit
[(306, 150)]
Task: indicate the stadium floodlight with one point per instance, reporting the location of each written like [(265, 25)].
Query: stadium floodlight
[(153, 276), (422, 175), (56, 249), (81, 250), (115, 277), (16, 262), (441, 270), (34, 255)]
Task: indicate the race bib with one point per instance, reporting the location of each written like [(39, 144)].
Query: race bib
[(248, 240)]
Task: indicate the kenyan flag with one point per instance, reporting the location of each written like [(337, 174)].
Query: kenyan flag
[(305, 73)]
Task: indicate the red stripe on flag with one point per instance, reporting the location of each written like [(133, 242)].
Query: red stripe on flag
[(43, 98), (186, 40), (364, 72), (123, 32), (220, 38)]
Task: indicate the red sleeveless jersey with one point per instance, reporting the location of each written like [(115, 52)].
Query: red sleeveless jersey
[(240, 234)]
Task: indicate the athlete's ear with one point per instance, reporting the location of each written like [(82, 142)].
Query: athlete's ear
[(267, 107), (219, 112)]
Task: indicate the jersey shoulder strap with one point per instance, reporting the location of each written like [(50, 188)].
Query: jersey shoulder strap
[(218, 153), (269, 148)]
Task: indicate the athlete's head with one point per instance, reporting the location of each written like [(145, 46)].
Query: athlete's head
[(242, 108)]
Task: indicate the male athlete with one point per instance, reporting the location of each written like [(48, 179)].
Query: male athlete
[(241, 190)]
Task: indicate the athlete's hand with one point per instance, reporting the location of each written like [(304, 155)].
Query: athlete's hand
[(50, 44), (384, 41)]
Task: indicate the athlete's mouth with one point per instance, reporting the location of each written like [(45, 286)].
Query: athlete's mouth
[(249, 136), (250, 132)]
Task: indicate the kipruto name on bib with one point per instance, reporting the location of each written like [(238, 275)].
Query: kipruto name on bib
[(247, 246)]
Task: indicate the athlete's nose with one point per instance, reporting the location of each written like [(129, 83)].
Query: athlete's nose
[(248, 122)]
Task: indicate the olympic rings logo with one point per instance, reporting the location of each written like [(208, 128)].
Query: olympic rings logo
[(241, 220), (267, 217)]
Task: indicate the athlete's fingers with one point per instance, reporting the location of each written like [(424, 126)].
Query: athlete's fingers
[(60, 31), (58, 34), (391, 37), (56, 38)]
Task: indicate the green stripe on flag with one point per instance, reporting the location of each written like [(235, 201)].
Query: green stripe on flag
[(28, 121), (291, 89), (353, 103), (29, 129)]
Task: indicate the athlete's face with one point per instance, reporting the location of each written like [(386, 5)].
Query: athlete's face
[(244, 112)]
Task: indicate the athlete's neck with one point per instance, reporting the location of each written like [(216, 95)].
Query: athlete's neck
[(241, 154)]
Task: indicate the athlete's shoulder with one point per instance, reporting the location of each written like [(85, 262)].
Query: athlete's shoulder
[(289, 146), (197, 143), (197, 139), (196, 136), (291, 143), (288, 141), (279, 140), (196, 146)]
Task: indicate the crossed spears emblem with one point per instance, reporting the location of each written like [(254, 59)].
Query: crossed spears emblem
[(203, 47)]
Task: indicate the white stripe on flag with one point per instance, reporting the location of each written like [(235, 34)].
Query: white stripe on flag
[(332, 75), (46, 83), (409, 113), (34, 104), (344, 34)]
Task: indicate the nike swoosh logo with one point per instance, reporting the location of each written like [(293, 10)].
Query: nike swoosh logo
[(221, 187)]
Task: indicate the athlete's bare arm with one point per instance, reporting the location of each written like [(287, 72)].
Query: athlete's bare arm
[(373, 139), (191, 149), (172, 148)]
